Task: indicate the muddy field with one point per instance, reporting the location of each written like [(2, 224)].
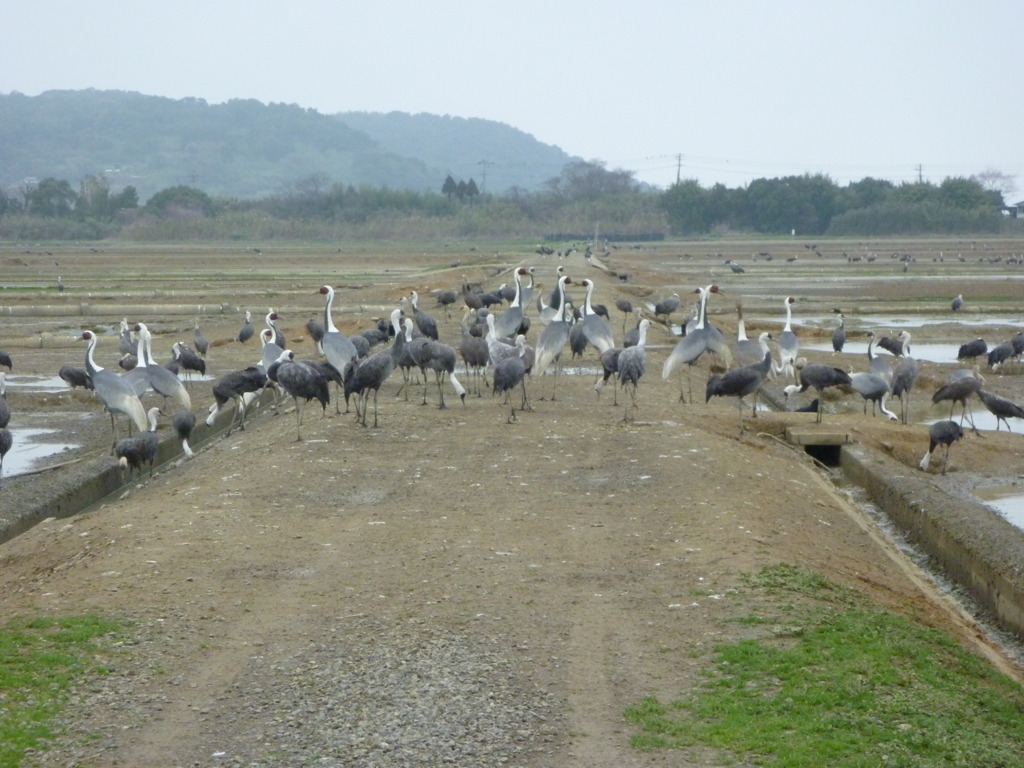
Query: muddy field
[(599, 558)]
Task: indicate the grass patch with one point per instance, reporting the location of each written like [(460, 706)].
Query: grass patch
[(855, 687), (39, 661)]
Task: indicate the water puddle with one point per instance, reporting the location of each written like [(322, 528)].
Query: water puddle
[(1007, 500), (30, 445), (933, 353), (37, 383)]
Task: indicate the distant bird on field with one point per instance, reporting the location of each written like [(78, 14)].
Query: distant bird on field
[(943, 433), (202, 345), (958, 303), (839, 335), (789, 345), (5, 360), (247, 329)]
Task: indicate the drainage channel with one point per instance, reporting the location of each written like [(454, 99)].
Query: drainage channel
[(97, 479), (976, 548)]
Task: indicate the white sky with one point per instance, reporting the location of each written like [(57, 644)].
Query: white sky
[(740, 89)]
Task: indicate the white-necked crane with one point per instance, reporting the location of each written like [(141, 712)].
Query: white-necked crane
[(748, 352), (689, 348), (115, 393), (337, 348), (789, 344), (878, 365), (595, 327), (821, 377), (943, 433), (553, 338), (133, 452), (740, 382), (874, 387), (632, 364), (507, 324), (162, 381), (271, 321)]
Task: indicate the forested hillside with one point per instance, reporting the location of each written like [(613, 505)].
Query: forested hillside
[(247, 149)]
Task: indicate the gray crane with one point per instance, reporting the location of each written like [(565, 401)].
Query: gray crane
[(424, 322), (337, 348), (445, 298), (5, 408), (5, 360), (188, 359), (116, 394), (75, 376), (202, 345), (133, 452), (821, 377), (184, 422), (510, 373), (972, 350), (316, 329), (998, 406), (957, 388), (162, 381), (667, 306), (943, 433), (610, 368), (740, 382), (235, 386), (632, 364), (625, 306), (474, 353), (904, 376), (6, 441), (999, 354), (303, 382), (957, 303), (373, 371), (247, 330)]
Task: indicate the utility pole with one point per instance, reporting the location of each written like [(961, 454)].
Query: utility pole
[(920, 177), (483, 180), (679, 167)]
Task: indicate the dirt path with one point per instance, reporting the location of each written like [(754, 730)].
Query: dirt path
[(601, 560)]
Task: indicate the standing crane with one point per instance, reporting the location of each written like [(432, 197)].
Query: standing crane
[(117, 396)]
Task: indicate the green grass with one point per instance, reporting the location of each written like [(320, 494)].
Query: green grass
[(39, 660), (848, 686)]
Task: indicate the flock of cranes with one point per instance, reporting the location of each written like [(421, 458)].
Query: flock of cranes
[(496, 344)]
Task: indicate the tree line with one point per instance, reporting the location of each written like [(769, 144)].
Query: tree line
[(585, 195)]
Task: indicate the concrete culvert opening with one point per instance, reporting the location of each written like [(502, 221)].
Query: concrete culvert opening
[(826, 454)]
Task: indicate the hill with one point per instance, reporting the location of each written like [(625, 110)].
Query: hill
[(246, 149)]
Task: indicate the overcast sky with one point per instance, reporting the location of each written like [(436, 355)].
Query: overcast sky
[(718, 91)]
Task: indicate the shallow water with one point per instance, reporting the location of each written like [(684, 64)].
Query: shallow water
[(30, 445), (1007, 500), (933, 353)]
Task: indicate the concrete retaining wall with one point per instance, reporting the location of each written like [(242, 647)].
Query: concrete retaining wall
[(974, 546)]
